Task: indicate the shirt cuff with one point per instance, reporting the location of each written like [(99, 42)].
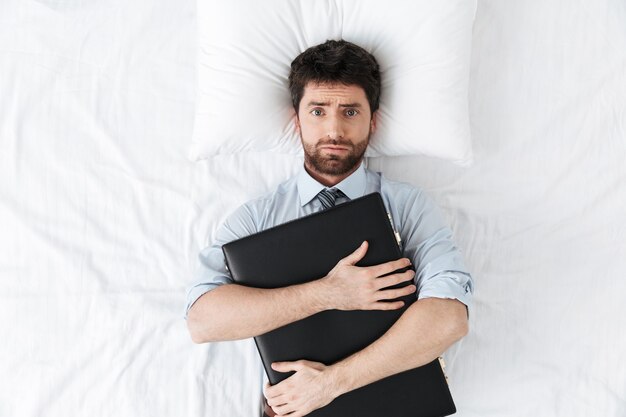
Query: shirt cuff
[(450, 286), (199, 290)]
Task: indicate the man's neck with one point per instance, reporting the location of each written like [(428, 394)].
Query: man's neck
[(329, 180)]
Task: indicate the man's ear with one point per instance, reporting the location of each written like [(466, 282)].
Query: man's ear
[(373, 122), (296, 122)]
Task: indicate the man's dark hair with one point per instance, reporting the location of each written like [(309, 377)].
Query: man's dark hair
[(334, 62)]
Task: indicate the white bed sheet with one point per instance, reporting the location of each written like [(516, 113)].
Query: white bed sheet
[(96, 108), (101, 213)]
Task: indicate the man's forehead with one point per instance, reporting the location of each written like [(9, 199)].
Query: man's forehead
[(335, 92)]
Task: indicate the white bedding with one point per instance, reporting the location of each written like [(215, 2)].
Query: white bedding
[(101, 214)]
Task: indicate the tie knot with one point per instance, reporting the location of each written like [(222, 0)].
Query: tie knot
[(328, 196)]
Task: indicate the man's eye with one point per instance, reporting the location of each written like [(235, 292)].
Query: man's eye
[(351, 113), (316, 112)]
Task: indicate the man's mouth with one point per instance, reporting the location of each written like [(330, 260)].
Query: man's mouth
[(335, 148)]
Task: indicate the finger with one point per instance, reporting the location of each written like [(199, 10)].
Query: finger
[(394, 279), (315, 365), (389, 267), (356, 256), (392, 294), (303, 364), (277, 401), (274, 391), (297, 365), (296, 413), (268, 410), (285, 409), (387, 305), (286, 366), (292, 414)]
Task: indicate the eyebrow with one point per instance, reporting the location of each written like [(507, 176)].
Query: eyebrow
[(326, 104)]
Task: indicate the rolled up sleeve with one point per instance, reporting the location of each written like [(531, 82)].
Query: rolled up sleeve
[(428, 242), (210, 268)]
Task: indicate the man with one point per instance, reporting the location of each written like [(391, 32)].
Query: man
[(335, 90)]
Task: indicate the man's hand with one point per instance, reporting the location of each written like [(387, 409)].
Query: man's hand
[(310, 388), (439, 322), (349, 287), (217, 315)]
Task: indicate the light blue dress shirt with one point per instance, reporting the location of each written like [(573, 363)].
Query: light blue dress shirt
[(426, 240)]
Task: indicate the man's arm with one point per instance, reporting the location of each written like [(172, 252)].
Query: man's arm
[(233, 311), (411, 342)]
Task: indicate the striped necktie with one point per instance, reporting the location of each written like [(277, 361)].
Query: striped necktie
[(328, 196)]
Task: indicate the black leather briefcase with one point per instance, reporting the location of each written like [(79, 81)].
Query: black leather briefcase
[(308, 248)]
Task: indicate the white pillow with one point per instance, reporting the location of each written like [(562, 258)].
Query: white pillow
[(246, 47)]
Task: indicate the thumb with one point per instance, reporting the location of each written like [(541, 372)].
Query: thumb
[(284, 366), (357, 255)]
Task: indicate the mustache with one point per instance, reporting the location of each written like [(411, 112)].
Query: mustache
[(335, 142)]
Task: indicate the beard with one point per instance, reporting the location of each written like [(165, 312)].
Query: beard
[(334, 164)]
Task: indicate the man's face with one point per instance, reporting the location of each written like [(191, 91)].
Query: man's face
[(335, 123)]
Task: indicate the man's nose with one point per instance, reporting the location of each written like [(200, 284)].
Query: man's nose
[(335, 128)]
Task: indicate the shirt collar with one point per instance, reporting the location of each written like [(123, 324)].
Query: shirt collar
[(352, 186)]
